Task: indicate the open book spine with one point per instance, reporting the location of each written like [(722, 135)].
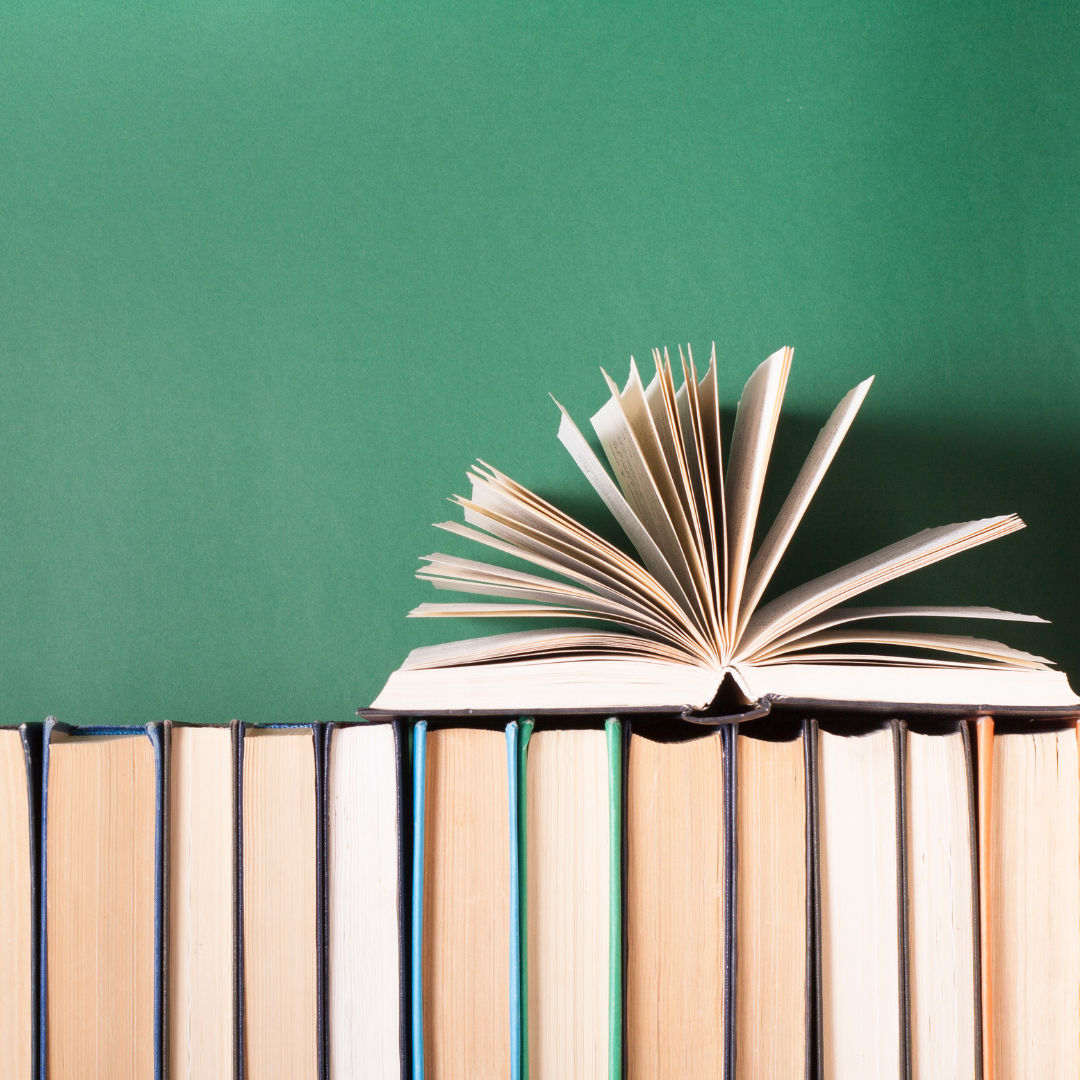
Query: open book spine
[(154, 733), (320, 877)]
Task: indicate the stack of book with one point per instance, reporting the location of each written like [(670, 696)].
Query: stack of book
[(641, 897)]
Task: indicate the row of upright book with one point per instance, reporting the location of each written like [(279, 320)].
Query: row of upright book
[(558, 897)]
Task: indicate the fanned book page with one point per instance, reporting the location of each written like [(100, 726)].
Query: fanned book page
[(665, 629)]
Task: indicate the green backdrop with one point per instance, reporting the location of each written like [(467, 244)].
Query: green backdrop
[(273, 274)]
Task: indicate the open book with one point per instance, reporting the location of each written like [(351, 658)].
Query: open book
[(688, 613)]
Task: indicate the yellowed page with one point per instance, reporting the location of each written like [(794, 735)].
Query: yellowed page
[(568, 899), (860, 951), (101, 904), (770, 1020), (1035, 894), (675, 909), (628, 461), (924, 548), (748, 459), (791, 513), (280, 956), (466, 929), (202, 825)]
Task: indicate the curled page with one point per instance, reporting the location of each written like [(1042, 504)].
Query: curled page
[(613, 499), (709, 400), (922, 549), (952, 643), (639, 418), (527, 644), (842, 616), (751, 444), (791, 513), (628, 463)]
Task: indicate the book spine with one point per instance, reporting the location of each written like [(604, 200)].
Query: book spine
[(624, 834), (159, 742), (899, 734), (728, 741), (811, 906), (515, 901), (984, 728), (51, 724), (524, 734), (973, 819), (238, 897), (401, 753), (321, 919), (30, 736), (419, 773), (817, 1053), (613, 732)]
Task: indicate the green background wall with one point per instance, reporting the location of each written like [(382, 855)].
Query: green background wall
[(272, 275)]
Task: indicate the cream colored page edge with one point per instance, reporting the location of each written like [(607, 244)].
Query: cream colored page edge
[(802, 492)]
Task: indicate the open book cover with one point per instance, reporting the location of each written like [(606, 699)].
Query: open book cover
[(686, 615)]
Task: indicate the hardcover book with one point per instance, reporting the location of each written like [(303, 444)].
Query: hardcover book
[(665, 630), (466, 970), (20, 794), (364, 826), (102, 850)]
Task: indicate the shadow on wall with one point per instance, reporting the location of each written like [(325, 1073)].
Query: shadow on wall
[(890, 480)]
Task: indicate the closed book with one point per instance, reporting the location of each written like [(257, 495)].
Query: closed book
[(941, 900), (1029, 869), (772, 1027), (20, 794), (101, 901), (862, 944), (281, 892), (678, 900), (201, 880), (466, 1013), (365, 818), (572, 781)]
